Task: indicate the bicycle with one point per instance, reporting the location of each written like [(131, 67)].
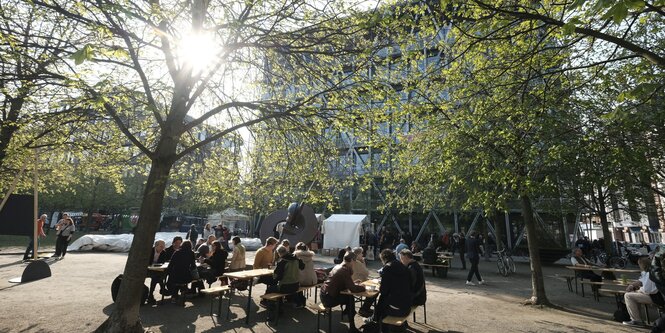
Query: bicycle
[(505, 263), (611, 261)]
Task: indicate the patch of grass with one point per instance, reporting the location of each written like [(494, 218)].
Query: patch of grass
[(22, 241)]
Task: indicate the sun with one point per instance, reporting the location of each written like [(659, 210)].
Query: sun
[(198, 50)]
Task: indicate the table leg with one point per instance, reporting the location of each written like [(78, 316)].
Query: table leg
[(249, 300)]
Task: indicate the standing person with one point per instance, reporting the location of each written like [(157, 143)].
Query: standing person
[(40, 234), (207, 231), (64, 235), (339, 281), (238, 259), (473, 249), (192, 234), (461, 245), (158, 256), (417, 278)]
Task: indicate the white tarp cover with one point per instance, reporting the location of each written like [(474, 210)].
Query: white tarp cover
[(122, 242), (341, 230)]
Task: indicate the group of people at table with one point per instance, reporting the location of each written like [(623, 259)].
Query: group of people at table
[(402, 284), (638, 292)]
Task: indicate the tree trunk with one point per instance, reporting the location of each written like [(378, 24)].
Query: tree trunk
[(9, 126), (602, 211), (538, 296), (125, 315)]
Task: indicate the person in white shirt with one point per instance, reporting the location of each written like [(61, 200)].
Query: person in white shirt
[(644, 295)]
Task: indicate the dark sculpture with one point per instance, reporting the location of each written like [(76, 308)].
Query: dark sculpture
[(299, 224)]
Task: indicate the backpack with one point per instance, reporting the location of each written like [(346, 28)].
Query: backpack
[(240, 285), (621, 314), (115, 288), (370, 327)]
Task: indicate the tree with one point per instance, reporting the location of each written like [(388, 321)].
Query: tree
[(172, 60)]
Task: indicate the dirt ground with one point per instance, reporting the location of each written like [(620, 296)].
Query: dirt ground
[(77, 298)]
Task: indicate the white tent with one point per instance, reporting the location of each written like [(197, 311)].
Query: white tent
[(341, 230)]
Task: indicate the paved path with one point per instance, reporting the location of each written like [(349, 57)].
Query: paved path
[(77, 298)]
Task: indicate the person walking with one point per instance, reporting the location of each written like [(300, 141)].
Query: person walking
[(473, 250), (64, 234), (192, 234), (40, 234), (207, 231)]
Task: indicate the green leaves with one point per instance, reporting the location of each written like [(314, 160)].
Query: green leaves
[(83, 54), (640, 92), (569, 27)]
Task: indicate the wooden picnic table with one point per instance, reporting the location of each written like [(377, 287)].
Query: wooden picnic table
[(598, 268), (249, 275)]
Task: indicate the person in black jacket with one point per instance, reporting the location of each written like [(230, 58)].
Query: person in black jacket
[(180, 267), (192, 234), (216, 261), (417, 277), (395, 291), (473, 251), (157, 257), (175, 246)]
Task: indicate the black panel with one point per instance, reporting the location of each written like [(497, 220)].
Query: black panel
[(16, 217)]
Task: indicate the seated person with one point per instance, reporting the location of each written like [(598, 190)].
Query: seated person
[(264, 259), (339, 281), (180, 267), (359, 267), (202, 251), (210, 239), (395, 291), (430, 256), (285, 243), (341, 254), (286, 277), (158, 257), (643, 291), (238, 259), (175, 246), (307, 275), (216, 261), (579, 260), (417, 278)]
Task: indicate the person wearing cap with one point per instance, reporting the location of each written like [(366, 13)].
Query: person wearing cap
[(338, 281)]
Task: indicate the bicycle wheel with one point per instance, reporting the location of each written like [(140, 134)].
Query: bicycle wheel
[(500, 266), (511, 265), (617, 262)]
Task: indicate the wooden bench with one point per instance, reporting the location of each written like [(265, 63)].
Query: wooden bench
[(319, 309), (434, 267), (218, 292), (399, 321), (618, 295)]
